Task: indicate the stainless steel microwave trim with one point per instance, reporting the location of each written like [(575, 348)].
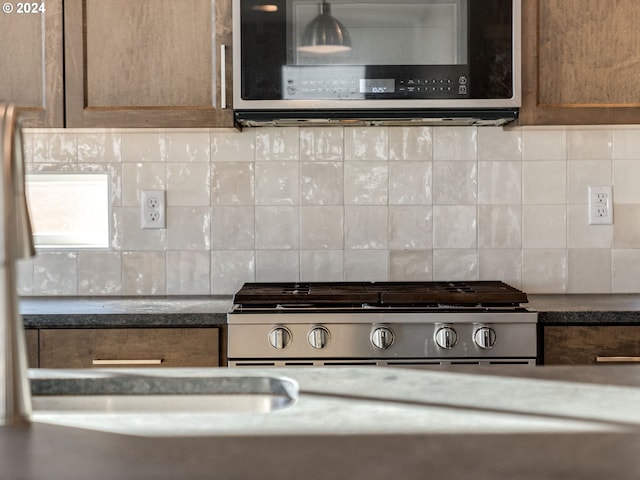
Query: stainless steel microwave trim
[(357, 115)]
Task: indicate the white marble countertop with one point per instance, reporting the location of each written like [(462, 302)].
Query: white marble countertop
[(481, 423), (359, 401)]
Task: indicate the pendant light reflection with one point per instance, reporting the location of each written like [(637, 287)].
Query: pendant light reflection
[(266, 7), (325, 34)]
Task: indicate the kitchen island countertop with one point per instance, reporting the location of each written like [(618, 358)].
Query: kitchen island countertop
[(469, 422)]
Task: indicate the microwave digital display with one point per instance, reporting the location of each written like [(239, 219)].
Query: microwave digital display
[(377, 85)]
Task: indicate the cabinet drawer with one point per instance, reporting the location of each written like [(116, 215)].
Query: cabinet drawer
[(582, 345), (129, 347)]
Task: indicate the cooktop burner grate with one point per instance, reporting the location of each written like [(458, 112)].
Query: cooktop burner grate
[(485, 293)]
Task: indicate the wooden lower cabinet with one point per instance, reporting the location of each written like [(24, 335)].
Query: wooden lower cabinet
[(129, 347), (590, 345), (31, 336)]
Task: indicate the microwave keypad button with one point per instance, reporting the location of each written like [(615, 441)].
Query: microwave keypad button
[(462, 80), (462, 89)]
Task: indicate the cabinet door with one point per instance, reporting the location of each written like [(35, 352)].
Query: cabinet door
[(129, 347), (581, 62), (31, 61), (584, 345), (31, 337), (148, 63)]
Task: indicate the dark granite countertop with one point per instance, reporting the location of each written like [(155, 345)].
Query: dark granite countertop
[(80, 312), (587, 308)]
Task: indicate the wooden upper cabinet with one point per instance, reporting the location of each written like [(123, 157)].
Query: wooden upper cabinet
[(31, 62), (147, 63), (581, 62)]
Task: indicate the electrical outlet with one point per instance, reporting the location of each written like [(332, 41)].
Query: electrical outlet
[(152, 209), (600, 205)]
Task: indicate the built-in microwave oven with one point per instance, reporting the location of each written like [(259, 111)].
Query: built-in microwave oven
[(376, 61)]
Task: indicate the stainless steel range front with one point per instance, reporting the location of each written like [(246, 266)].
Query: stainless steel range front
[(385, 323)]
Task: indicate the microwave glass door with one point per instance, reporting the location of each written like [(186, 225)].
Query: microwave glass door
[(382, 33), (407, 50)]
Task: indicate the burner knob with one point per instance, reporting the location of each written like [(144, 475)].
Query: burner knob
[(318, 337), (382, 338), (484, 337), (446, 337), (280, 337)]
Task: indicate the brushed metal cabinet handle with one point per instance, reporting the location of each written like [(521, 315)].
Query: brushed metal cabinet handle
[(223, 76), (601, 359), (126, 362)]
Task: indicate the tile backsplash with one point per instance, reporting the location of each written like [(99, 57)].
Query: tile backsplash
[(353, 203)]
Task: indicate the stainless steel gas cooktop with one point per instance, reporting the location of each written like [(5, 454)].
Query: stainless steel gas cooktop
[(381, 323)]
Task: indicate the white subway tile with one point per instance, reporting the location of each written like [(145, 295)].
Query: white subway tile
[(322, 183), (499, 183), (410, 227), (544, 270), (324, 144), (366, 143), (625, 268), (410, 183), (589, 144), (544, 143), (233, 228), (277, 144), (501, 264), (188, 228), (455, 265), (411, 265), (232, 183), (277, 228), (589, 270), (497, 143), (455, 183), (321, 265), (277, 266), (144, 273), (411, 143), (544, 183), (544, 226), (277, 183), (455, 143), (366, 183), (188, 184), (231, 269), (322, 228), (455, 227), (366, 227), (189, 273), (366, 265)]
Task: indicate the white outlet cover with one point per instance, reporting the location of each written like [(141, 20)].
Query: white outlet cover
[(152, 209), (600, 205)]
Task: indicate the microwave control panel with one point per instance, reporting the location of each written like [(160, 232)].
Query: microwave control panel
[(353, 82)]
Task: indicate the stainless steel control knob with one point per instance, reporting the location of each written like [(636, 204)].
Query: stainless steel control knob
[(484, 337), (318, 337), (446, 337), (382, 338), (280, 337)]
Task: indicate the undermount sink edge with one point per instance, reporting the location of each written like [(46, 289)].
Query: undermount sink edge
[(140, 394)]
